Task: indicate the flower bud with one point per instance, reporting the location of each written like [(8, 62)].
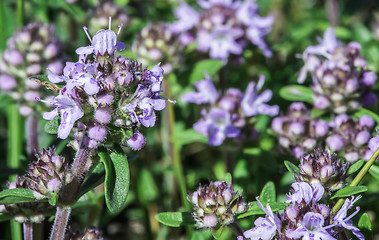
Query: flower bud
[(324, 168), (216, 204)]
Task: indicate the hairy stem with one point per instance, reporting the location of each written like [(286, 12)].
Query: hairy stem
[(70, 192), (28, 230), (358, 178), (32, 131), (79, 169), (332, 9), (61, 219)]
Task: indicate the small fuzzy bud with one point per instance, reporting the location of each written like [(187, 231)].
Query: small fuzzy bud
[(216, 204)]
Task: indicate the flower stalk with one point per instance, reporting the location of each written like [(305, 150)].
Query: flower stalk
[(28, 230), (358, 178), (60, 223)]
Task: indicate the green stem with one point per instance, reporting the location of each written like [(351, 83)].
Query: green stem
[(14, 152), (174, 152), (358, 178), (20, 13)]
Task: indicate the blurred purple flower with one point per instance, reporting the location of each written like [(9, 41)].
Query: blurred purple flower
[(217, 126), (327, 45), (220, 42), (206, 93), (254, 103)]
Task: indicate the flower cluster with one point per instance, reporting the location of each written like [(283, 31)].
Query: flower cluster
[(300, 133), (100, 15), (323, 167), (29, 52), (34, 212), (340, 79), (351, 137), (157, 43), (110, 96), (222, 27), (46, 177), (228, 114), (305, 217), (216, 204)]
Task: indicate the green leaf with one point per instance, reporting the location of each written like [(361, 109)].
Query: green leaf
[(16, 195), (374, 171), (364, 111), (228, 177), (255, 210), (116, 179), (348, 191), (52, 126), (292, 168), (268, 193), (175, 219), (355, 167), (188, 136), (147, 189), (40, 77), (53, 198), (217, 231), (316, 113), (209, 66), (365, 226), (296, 93), (94, 179)]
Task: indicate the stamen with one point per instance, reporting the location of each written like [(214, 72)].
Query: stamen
[(119, 29), (86, 31), (352, 215), (110, 22), (168, 100)]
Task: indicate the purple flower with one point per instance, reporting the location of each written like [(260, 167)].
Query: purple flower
[(257, 26), (335, 142), (341, 220), (254, 103), (206, 93), (69, 110), (312, 228), (104, 42), (188, 18), (148, 105), (305, 192), (217, 126), (220, 42), (327, 45), (265, 228), (137, 141), (7, 82)]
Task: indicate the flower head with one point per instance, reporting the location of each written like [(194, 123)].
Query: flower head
[(228, 114), (216, 204), (30, 51), (340, 81), (110, 97), (222, 27)]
